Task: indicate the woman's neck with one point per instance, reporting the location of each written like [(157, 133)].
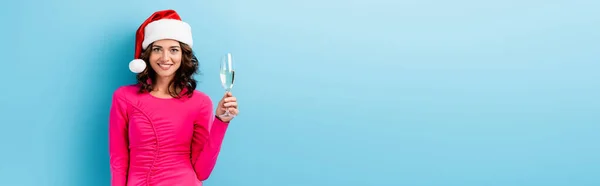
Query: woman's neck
[(161, 88)]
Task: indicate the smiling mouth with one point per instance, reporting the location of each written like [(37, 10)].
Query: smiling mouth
[(165, 66)]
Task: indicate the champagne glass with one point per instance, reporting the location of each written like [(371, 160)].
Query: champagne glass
[(227, 74)]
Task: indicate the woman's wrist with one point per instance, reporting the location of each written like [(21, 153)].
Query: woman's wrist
[(219, 118)]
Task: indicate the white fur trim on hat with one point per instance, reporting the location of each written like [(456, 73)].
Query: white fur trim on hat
[(137, 65), (167, 29)]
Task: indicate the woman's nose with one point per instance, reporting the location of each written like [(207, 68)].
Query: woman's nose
[(164, 56)]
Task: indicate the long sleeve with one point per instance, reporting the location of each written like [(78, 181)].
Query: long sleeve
[(118, 140), (209, 133)]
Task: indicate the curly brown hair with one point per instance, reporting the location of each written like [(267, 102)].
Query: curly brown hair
[(183, 79)]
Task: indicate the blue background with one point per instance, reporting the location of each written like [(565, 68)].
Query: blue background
[(380, 92)]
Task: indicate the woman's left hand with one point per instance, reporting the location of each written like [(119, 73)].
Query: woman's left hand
[(228, 102)]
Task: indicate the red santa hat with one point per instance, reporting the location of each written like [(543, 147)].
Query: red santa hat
[(164, 24)]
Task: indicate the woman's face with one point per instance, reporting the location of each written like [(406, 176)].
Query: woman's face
[(165, 57)]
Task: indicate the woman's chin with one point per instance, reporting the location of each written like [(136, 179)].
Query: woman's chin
[(165, 74)]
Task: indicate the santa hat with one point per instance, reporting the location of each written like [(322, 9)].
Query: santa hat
[(164, 24)]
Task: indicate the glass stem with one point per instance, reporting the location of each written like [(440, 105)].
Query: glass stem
[(227, 108)]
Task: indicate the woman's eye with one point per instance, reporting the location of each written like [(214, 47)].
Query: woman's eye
[(174, 50), (155, 49)]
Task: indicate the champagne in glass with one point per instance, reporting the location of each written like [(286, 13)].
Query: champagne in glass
[(227, 74)]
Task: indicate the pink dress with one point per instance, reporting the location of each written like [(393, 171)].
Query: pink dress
[(162, 142)]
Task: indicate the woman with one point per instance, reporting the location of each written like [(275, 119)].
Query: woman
[(162, 131)]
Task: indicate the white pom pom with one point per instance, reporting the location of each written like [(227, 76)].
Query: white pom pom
[(137, 65)]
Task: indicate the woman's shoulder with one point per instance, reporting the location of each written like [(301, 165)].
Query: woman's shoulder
[(202, 106), (201, 97), (125, 91)]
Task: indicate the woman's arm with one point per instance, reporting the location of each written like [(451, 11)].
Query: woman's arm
[(209, 133), (118, 141)]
